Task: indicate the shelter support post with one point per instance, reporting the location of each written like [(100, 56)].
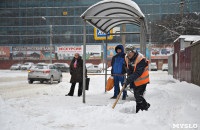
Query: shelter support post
[(142, 39), (84, 59), (106, 61)]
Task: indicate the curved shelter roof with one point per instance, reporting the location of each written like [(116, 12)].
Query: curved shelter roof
[(107, 14)]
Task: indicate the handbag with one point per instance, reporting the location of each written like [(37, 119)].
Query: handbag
[(87, 83), (110, 83)]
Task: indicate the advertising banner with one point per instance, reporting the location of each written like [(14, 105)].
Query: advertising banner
[(93, 51), (111, 51), (4, 52), (67, 52), (32, 52), (161, 53)]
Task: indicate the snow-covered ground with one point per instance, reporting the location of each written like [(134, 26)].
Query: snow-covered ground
[(44, 107)]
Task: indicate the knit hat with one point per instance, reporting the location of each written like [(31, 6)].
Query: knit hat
[(130, 48)]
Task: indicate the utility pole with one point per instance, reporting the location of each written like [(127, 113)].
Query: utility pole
[(181, 8)]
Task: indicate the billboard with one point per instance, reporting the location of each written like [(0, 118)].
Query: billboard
[(161, 53), (67, 52), (93, 51), (4, 52), (32, 53), (111, 50)]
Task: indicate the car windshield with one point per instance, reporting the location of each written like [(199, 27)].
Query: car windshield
[(15, 64), (41, 67), (26, 64)]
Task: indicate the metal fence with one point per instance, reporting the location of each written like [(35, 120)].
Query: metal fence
[(195, 63), (186, 63)]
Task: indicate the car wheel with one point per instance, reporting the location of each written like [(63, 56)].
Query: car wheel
[(41, 81), (51, 80), (30, 81), (60, 80)]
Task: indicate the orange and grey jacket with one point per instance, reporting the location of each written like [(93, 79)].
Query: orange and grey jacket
[(137, 69)]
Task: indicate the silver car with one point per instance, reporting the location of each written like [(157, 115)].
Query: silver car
[(26, 66), (44, 72), (154, 67), (165, 67), (94, 69), (15, 67)]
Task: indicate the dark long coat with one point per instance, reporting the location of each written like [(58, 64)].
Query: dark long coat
[(76, 73)]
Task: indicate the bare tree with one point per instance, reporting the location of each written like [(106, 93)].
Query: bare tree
[(170, 27)]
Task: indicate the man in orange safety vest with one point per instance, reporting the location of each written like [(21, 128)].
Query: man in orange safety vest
[(137, 68)]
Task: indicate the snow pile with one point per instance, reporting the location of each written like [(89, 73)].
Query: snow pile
[(172, 102), (7, 73)]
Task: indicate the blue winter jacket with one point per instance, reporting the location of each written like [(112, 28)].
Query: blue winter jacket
[(118, 61)]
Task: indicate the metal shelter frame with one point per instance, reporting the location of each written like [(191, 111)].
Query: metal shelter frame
[(108, 14)]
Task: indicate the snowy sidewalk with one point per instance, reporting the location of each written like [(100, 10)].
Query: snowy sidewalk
[(172, 102)]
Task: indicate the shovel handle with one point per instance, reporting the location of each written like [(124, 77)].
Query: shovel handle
[(118, 96)]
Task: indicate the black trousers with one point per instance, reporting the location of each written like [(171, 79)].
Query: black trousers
[(138, 93), (71, 92)]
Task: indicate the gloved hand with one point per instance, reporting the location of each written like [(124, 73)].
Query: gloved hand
[(126, 83)]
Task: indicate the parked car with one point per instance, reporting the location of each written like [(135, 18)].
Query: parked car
[(94, 69), (63, 67), (154, 67), (26, 66), (44, 72), (15, 67), (165, 67), (101, 66), (34, 65), (88, 64)]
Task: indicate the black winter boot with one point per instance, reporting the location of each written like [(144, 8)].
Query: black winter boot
[(145, 106), (138, 107), (114, 97)]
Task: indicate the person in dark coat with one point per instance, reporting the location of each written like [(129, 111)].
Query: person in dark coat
[(137, 67), (117, 70), (76, 71)]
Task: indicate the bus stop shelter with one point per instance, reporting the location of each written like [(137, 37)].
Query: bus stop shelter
[(107, 14)]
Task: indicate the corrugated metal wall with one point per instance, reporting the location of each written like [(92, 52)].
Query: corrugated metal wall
[(186, 63), (195, 63)]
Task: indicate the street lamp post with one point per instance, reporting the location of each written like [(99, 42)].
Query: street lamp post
[(50, 38)]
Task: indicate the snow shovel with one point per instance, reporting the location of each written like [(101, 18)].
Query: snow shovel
[(118, 96)]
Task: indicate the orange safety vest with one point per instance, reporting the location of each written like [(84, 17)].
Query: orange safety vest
[(144, 78)]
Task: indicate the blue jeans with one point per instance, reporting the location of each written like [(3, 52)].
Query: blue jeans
[(116, 85)]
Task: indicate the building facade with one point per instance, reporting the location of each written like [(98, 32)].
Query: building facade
[(27, 22)]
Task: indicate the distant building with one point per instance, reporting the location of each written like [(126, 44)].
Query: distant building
[(26, 22)]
